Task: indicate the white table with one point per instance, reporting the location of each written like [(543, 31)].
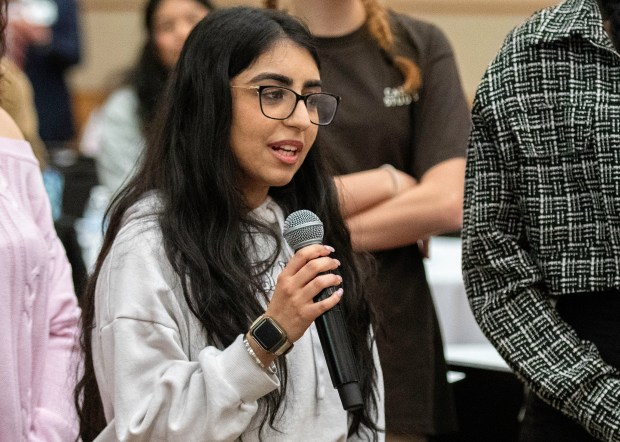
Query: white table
[(464, 343), (482, 356), (443, 271)]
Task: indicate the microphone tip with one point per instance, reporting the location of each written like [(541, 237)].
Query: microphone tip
[(302, 228)]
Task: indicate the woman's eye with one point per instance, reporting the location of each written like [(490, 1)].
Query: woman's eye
[(313, 101), (273, 95)]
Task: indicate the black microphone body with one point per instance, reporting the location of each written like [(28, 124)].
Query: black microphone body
[(301, 229)]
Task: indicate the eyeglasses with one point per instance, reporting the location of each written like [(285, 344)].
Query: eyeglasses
[(279, 103)]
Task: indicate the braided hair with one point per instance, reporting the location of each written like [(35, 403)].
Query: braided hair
[(611, 11), (378, 24)]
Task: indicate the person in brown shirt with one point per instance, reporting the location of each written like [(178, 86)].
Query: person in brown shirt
[(402, 106)]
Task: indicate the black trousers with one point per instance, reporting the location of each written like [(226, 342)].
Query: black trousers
[(596, 318)]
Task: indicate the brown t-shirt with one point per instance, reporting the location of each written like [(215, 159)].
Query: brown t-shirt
[(377, 124)]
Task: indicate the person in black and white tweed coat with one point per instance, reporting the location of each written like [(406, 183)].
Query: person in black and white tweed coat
[(541, 236)]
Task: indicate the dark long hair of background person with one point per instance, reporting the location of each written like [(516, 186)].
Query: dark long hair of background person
[(205, 219), (611, 12), (3, 22), (149, 75)]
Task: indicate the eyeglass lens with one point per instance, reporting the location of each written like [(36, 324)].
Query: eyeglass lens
[(280, 103)]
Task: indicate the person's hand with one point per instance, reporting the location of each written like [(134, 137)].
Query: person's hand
[(292, 305)]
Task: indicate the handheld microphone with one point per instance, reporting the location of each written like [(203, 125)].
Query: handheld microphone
[(303, 228)]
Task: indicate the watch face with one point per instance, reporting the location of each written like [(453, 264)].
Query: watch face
[(268, 335)]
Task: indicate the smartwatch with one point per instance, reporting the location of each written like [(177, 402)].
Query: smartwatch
[(270, 336)]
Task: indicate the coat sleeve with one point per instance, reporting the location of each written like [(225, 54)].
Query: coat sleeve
[(507, 292)]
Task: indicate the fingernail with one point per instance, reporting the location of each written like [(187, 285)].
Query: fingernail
[(338, 261), (339, 292), (330, 248)]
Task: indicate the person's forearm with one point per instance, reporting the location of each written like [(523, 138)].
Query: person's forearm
[(362, 190), (430, 208)]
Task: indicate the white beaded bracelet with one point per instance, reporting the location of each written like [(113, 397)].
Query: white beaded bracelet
[(248, 347)]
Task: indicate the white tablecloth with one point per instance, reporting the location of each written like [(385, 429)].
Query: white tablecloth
[(443, 271), (463, 341)]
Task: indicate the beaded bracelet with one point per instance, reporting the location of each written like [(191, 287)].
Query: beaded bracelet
[(248, 347)]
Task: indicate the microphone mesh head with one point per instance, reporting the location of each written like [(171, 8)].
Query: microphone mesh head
[(303, 228)]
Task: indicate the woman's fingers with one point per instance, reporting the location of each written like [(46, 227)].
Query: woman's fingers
[(328, 303), (315, 268), (304, 255), (304, 266), (300, 288), (296, 318), (308, 274), (321, 282)]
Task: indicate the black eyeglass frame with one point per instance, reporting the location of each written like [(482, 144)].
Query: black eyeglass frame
[(298, 98)]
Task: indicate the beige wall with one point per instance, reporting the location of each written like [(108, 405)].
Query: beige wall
[(112, 31)]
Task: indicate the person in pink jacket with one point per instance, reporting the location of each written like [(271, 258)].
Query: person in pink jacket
[(38, 307)]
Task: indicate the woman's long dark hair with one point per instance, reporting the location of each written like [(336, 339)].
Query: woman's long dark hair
[(204, 220), (148, 77)]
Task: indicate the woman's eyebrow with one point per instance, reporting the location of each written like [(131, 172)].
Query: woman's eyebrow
[(273, 76), (312, 83), (283, 79)]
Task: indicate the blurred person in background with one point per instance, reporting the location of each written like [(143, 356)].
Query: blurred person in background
[(17, 99), (403, 127), (44, 40), (38, 312), (541, 234), (126, 117)]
